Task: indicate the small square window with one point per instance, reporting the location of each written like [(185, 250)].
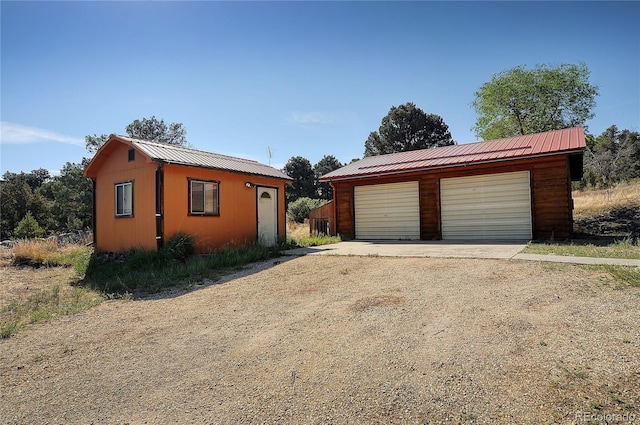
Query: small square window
[(204, 198), (132, 155), (124, 199)]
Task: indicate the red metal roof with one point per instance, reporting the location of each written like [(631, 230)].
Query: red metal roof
[(527, 146)]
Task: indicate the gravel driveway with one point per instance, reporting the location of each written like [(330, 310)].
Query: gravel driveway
[(327, 339)]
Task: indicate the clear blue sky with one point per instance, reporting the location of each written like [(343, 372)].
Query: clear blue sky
[(302, 78)]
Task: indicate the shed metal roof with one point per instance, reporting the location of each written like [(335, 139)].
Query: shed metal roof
[(196, 158), (531, 145)]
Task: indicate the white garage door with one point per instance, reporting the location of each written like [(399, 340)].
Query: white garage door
[(493, 206), (387, 211)]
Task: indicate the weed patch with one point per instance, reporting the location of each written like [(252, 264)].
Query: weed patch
[(622, 276), (151, 271), (44, 306), (618, 249), (51, 299), (315, 239)]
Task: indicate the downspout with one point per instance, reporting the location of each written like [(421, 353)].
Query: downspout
[(159, 206), (334, 229), (93, 214)]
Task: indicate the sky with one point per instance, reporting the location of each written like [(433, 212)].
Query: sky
[(291, 78)]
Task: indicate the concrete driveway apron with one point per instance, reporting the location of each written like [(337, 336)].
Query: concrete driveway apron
[(435, 249)]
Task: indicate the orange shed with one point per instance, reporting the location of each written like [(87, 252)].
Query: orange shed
[(144, 192)]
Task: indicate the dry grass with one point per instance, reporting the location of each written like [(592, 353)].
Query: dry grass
[(297, 230), (597, 201), (45, 288), (378, 301), (35, 252), (38, 252), (618, 249)]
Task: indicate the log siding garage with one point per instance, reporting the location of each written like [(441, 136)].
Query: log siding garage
[(145, 192), (514, 188)]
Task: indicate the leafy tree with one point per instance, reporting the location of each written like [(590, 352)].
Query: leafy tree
[(299, 169), (630, 144), (37, 178), (327, 164), (58, 204), (70, 199), (95, 142), (614, 156), (150, 129), (407, 128), (299, 209), (521, 101), (18, 198), (28, 228)]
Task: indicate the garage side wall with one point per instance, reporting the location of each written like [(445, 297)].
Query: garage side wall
[(343, 198), (552, 205), (551, 193)]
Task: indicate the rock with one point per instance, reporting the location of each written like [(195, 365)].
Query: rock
[(8, 244)]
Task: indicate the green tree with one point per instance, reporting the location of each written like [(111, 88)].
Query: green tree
[(407, 128), (28, 228), (303, 185), (630, 144), (18, 198), (614, 156), (327, 164), (70, 199), (523, 101), (150, 129), (299, 209)]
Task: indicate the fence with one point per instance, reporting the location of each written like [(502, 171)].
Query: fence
[(322, 220)]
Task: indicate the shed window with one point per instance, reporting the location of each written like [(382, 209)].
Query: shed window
[(124, 199), (204, 198), (132, 155)]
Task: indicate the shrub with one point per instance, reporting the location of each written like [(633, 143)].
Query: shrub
[(299, 209), (28, 228), (179, 246)]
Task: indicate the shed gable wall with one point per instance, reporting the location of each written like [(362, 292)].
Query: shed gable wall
[(122, 233)]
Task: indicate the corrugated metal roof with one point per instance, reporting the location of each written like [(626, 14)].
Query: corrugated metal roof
[(530, 145), (196, 158)]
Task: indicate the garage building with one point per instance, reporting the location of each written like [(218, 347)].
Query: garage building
[(513, 188)]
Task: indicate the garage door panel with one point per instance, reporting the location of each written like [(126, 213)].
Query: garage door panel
[(387, 211), (496, 206)]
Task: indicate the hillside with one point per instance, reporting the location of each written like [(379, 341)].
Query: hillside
[(613, 212)]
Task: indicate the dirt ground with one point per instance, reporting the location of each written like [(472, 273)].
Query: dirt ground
[(341, 340)]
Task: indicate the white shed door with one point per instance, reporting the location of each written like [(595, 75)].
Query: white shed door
[(387, 211), (492, 206)]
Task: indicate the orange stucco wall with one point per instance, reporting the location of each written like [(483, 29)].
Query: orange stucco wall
[(237, 222), (236, 225)]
